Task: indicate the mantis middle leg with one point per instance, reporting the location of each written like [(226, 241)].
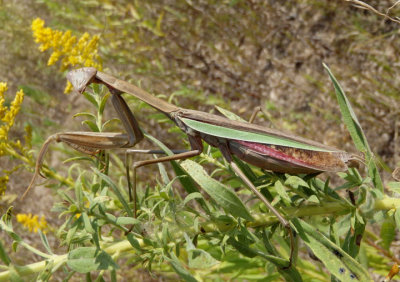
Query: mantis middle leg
[(196, 149)]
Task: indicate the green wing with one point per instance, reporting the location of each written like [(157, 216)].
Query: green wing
[(235, 134)]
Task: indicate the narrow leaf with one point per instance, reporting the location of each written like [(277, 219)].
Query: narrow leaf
[(225, 197), (349, 117), (133, 241), (337, 261), (90, 98), (191, 196), (87, 223), (355, 130), (388, 232), (103, 103), (3, 255), (187, 183), (93, 126), (84, 114), (86, 259), (123, 220), (116, 191), (182, 272), (229, 114), (45, 242), (198, 258)]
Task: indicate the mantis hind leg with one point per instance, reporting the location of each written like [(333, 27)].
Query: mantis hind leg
[(228, 156)]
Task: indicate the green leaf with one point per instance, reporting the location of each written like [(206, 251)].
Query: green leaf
[(289, 273), (116, 191), (351, 244), (355, 130), (93, 126), (225, 197), (91, 98), (198, 258), (87, 223), (388, 232), (3, 255), (14, 275), (122, 220), (235, 134), (349, 117), (182, 272), (86, 259), (337, 261), (84, 114), (397, 218), (47, 272), (45, 242), (103, 103), (6, 225), (282, 192), (191, 196), (394, 186), (133, 241), (75, 159), (187, 183), (295, 182), (107, 122), (229, 114)]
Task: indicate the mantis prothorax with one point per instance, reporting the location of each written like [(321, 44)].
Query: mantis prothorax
[(263, 147)]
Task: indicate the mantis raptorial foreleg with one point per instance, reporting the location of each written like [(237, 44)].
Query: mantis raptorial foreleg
[(86, 142), (93, 142)]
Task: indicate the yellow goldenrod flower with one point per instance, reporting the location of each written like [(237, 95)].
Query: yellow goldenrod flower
[(3, 89), (3, 184), (7, 115), (14, 108), (66, 47), (33, 223)]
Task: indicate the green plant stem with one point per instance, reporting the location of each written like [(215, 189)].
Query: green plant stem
[(58, 177), (33, 267), (387, 203), (13, 153), (47, 171), (265, 219), (34, 250), (117, 249)]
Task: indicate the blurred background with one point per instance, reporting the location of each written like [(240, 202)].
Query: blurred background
[(234, 54)]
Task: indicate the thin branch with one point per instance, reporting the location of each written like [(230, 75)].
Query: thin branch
[(362, 5)]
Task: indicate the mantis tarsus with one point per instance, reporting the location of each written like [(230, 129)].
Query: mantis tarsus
[(263, 147)]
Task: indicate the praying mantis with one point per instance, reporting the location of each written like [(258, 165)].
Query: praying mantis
[(262, 147)]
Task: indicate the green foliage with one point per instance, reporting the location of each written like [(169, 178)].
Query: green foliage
[(205, 237), (201, 233)]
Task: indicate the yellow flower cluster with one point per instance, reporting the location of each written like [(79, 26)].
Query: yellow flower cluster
[(7, 115), (33, 223), (3, 184), (7, 118), (75, 52)]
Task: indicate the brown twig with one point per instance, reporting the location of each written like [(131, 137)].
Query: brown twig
[(382, 251), (362, 5)]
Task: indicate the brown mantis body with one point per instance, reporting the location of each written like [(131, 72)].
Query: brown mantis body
[(257, 145)]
